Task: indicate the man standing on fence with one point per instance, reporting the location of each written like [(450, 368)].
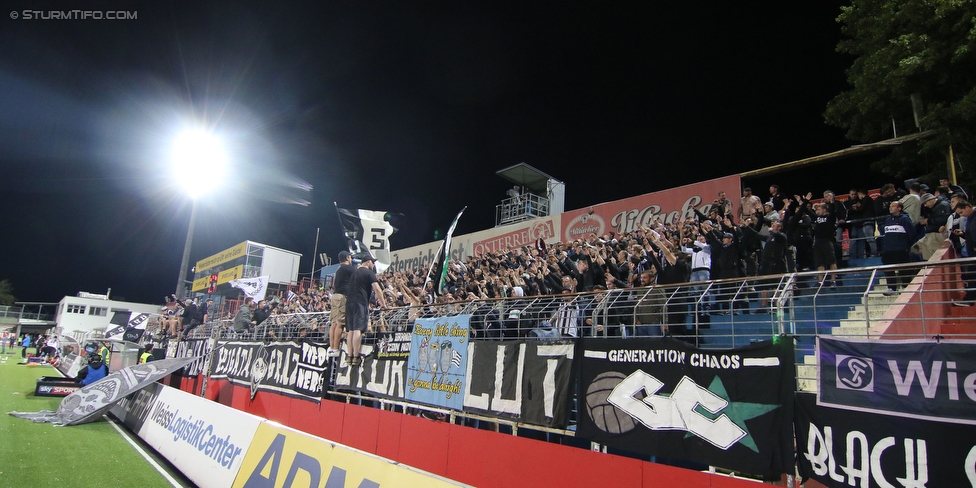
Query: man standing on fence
[(340, 287), (362, 282)]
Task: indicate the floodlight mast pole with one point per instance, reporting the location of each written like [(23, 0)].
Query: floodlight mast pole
[(185, 263)]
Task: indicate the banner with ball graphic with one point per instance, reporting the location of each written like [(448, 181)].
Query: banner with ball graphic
[(730, 408)]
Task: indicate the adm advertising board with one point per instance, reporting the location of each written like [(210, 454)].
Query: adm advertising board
[(280, 456), (205, 440), (841, 448), (663, 397), (921, 379), (438, 361)]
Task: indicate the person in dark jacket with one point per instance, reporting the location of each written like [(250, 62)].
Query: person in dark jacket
[(725, 261), (773, 257), (965, 209), (899, 235)]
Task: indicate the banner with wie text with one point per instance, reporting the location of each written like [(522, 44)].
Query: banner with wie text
[(921, 379)]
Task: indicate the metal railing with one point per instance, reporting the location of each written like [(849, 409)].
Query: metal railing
[(912, 300), (522, 207)]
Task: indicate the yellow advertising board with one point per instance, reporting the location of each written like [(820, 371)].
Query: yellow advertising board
[(223, 277), (279, 456), (222, 257)]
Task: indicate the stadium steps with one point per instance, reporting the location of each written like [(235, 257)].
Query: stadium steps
[(854, 326)]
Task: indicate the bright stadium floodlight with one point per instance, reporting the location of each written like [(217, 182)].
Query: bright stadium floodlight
[(199, 161)]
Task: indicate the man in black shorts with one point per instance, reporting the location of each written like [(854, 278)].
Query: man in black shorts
[(824, 232), (362, 282), (340, 287)]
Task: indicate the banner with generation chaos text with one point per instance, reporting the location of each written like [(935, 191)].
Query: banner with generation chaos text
[(729, 408), (438, 361)]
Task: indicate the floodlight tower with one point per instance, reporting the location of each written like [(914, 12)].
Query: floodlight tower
[(199, 160)]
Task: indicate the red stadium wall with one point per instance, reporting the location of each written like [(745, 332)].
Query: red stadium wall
[(472, 456)]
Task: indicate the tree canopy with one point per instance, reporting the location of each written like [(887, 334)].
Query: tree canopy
[(925, 48), (6, 293)]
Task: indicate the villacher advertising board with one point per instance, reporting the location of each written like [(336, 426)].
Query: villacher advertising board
[(728, 408), (527, 381), (841, 448), (921, 379)]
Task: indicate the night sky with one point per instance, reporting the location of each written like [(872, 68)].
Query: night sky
[(408, 107)]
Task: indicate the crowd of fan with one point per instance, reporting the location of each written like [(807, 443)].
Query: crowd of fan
[(775, 235)]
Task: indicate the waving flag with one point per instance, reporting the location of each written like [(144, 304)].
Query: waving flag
[(255, 288), (438, 269), (367, 231)]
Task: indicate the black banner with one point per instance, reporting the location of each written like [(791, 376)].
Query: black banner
[(520, 380), (841, 448), (727, 408), (199, 348), (383, 373), (295, 369), (925, 379)]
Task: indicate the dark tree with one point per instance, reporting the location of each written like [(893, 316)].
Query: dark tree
[(906, 48)]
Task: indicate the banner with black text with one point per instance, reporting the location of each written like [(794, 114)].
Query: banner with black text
[(383, 372), (294, 369), (729, 408), (438, 361)]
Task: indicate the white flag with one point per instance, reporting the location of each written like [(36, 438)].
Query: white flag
[(255, 288), (367, 230)]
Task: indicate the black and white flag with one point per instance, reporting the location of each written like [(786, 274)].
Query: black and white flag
[(367, 231), (255, 288)]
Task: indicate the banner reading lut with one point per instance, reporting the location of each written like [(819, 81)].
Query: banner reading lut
[(438, 361), (921, 379), (527, 381), (727, 408)]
